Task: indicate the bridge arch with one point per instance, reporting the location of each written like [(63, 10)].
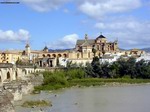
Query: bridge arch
[(16, 75), (0, 79), (8, 75)]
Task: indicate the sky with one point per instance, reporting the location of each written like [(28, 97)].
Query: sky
[(59, 23)]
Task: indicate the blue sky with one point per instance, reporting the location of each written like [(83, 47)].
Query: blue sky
[(59, 23)]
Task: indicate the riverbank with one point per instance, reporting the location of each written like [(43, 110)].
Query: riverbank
[(100, 81), (86, 82)]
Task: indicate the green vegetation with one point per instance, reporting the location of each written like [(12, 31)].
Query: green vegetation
[(100, 81), (20, 62), (119, 69), (38, 103), (96, 73), (60, 79)]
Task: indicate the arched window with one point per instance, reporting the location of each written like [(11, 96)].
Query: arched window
[(43, 55), (59, 55), (65, 55), (54, 55), (49, 55)]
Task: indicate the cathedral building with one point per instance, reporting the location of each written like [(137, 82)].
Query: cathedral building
[(100, 45), (86, 49)]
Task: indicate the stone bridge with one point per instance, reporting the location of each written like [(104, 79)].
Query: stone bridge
[(9, 72)]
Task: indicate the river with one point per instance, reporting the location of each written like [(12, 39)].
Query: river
[(94, 99)]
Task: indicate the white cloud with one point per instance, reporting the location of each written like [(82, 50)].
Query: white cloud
[(67, 41), (66, 11), (20, 36), (44, 5), (119, 25), (99, 8), (131, 33), (92, 8)]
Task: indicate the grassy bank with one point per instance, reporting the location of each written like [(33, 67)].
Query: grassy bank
[(38, 103), (100, 81), (65, 79)]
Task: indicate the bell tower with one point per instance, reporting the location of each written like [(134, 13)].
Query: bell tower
[(27, 49)]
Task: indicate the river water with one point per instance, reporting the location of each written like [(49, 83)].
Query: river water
[(94, 99)]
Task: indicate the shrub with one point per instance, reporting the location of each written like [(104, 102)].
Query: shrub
[(75, 74), (56, 77)]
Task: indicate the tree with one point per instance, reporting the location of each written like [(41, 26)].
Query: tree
[(122, 67), (19, 62), (94, 51), (114, 70), (89, 70), (131, 62), (105, 70), (143, 69), (96, 67)]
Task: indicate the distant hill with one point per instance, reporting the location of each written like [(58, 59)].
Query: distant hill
[(146, 49), (121, 49), (59, 50)]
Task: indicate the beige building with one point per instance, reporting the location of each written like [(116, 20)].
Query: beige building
[(10, 56)]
